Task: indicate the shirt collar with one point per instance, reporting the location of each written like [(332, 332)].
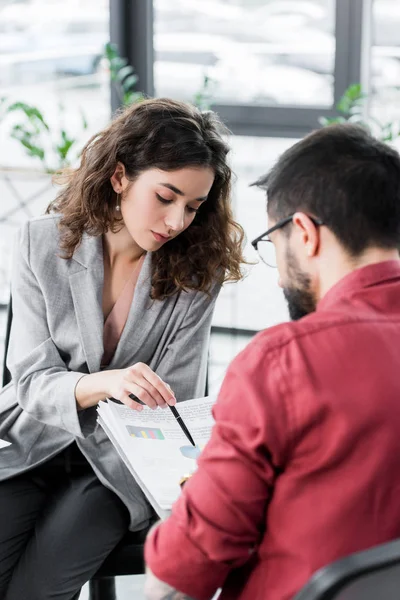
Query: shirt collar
[(358, 279)]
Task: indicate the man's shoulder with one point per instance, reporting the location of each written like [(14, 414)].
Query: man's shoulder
[(282, 337)]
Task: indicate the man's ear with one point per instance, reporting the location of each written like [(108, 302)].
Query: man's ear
[(118, 178), (308, 232)]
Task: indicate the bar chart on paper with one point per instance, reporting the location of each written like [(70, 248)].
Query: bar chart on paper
[(146, 433)]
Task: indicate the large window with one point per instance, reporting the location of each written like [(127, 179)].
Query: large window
[(385, 60), (51, 57), (257, 301), (272, 65), (263, 52)]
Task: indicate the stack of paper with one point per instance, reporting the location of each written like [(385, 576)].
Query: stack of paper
[(154, 447)]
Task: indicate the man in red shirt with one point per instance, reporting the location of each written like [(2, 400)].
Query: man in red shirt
[(303, 466)]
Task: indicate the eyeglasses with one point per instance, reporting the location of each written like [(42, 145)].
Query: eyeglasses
[(265, 247)]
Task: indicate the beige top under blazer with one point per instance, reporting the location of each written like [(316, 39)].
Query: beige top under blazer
[(57, 336)]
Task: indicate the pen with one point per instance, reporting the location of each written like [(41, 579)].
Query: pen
[(182, 424), (177, 417)]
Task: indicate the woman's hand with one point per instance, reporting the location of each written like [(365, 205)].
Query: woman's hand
[(141, 382), (138, 380)]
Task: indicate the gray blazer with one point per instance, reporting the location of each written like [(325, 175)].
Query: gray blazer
[(57, 335)]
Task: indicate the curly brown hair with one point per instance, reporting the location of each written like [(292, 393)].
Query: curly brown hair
[(167, 135)]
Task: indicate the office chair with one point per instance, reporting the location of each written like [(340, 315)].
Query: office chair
[(368, 575), (127, 556)]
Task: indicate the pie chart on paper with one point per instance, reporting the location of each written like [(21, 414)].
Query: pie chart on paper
[(192, 452)]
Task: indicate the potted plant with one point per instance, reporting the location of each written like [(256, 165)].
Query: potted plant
[(351, 107)]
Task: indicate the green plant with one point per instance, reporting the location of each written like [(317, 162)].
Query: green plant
[(3, 108), (124, 80), (123, 76), (52, 146), (203, 98), (352, 108)]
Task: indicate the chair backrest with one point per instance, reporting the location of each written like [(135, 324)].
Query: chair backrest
[(6, 378), (369, 575)]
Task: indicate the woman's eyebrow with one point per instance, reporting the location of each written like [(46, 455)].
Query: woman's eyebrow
[(179, 192)]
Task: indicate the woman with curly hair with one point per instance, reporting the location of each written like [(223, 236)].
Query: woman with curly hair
[(113, 293)]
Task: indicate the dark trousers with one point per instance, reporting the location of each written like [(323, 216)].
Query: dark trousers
[(57, 525)]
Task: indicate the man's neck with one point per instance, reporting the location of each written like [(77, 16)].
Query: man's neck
[(340, 264)]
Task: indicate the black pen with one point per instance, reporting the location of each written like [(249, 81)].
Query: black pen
[(182, 424), (176, 415)]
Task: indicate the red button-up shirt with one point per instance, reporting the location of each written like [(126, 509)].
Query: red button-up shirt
[(303, 466)]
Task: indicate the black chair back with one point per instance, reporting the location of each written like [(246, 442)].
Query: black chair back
[(6, 378), (369, 575)]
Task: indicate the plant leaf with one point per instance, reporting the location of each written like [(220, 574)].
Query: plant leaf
[(84, 121), (129, 82), (352, 99), (124, 72), (324, 121), (31, 112), (122, 75), (64, 147), (28, 143)]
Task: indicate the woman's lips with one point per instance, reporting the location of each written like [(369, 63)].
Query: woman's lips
[(160, 238)]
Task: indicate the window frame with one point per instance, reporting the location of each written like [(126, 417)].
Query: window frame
[(131, 29)]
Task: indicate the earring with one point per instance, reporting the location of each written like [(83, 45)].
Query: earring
[(118, 205)]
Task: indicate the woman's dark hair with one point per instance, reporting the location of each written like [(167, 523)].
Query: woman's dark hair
[(167, 135), (345, 177)]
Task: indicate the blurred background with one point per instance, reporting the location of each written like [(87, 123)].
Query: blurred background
[(272, 69)]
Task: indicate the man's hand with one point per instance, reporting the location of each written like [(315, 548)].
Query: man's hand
[(154, 589)]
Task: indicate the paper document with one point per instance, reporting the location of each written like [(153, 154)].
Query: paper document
[(154, 447)]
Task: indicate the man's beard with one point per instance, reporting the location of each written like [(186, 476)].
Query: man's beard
[(299, 297)]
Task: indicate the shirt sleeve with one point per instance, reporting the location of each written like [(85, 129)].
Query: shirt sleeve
[(217, 523), (44, 387)]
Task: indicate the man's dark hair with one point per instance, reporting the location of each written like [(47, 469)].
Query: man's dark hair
[(345, 177)]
